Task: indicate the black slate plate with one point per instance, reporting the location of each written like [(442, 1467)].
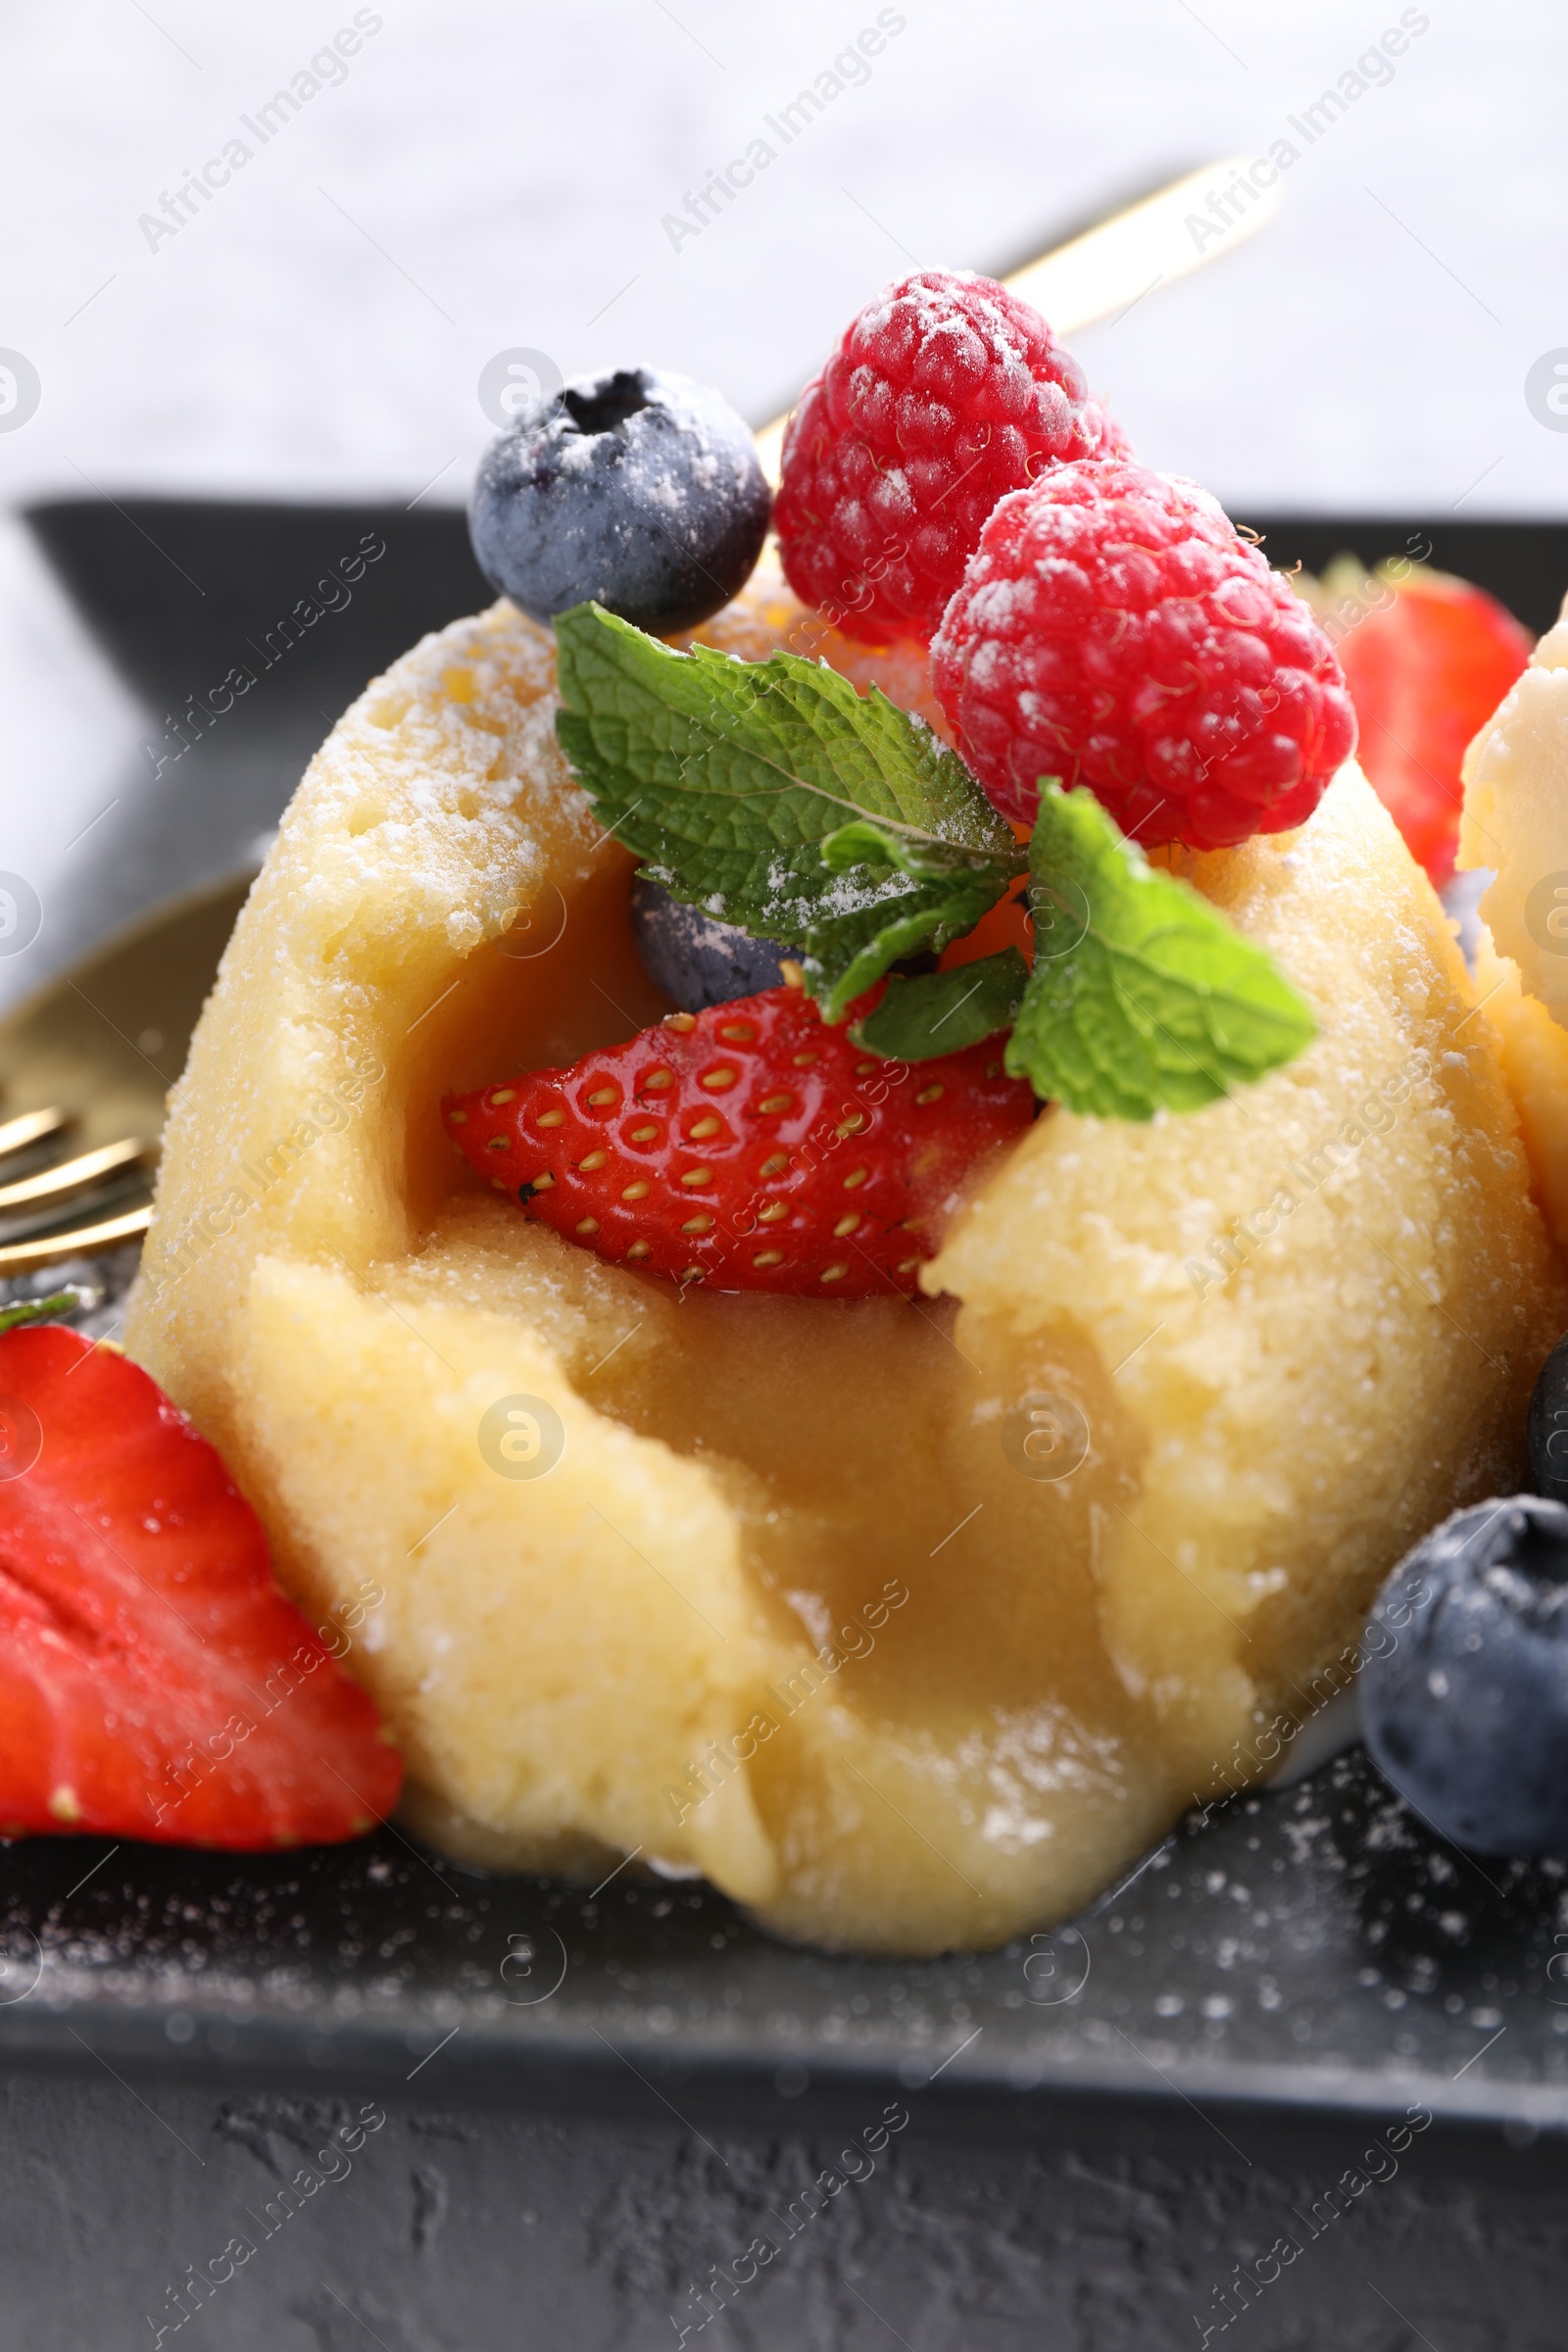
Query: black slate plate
[(1315, 1947)]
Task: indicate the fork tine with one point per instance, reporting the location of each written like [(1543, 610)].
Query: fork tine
[(73, 1176), (33, 1127), (86, 1241)]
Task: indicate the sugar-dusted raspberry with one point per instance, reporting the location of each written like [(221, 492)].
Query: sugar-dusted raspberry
[(945, 394), (1113, 631)]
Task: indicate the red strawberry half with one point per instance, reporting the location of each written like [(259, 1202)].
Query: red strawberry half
[(154, 1682), (750, 1144), (1427, 659)]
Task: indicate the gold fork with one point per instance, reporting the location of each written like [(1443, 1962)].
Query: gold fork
[(87, 1063), (64, 1189), (111, 1036)]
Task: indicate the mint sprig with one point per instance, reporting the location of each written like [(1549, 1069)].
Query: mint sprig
[(775, 796), (942, 1012), (1150, 999)]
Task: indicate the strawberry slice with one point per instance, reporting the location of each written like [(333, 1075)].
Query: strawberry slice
[(1426, 669), (154, 1682), (750, 1145)]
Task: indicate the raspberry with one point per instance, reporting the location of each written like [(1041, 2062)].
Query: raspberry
[(946, 393), (1113, 631), (748, 1143)]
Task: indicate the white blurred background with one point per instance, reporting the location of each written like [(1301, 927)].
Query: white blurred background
[(484, 176)]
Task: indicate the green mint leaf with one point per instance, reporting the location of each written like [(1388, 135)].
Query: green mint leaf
[(729, 778), (37, 1311), (1149, 999), (942, 1012), (867, 840), (848, 947), (933, 894)]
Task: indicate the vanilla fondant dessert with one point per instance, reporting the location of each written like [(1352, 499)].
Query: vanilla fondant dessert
[(872, 1334)]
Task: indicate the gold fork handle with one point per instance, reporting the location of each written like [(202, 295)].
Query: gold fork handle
[(23, 1257), (1119, 261), (1151, 244), (30, 1128), (68, 1176)]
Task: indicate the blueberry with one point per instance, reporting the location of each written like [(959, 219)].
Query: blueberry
[(1548, 1426), (1464, 1677), (640, 489), (695, 960)]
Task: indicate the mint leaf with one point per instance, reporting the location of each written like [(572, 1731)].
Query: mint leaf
[(942, 1012), (773, 796), (1150, 1000), (946, 892), (870, 839)]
